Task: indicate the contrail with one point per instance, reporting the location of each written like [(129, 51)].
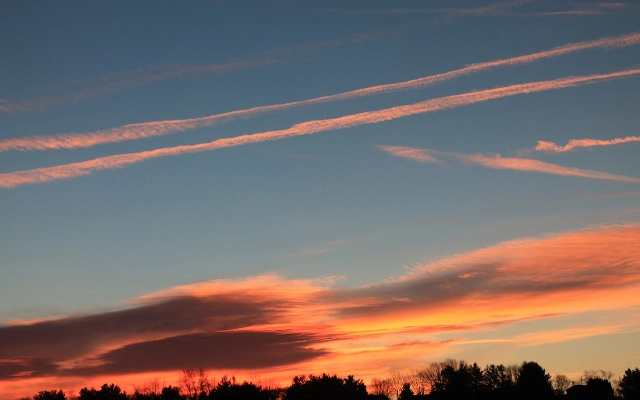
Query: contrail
[(159, 128), (73, 170), (499, 162), (492, 9), (116, 82), (573, 143)]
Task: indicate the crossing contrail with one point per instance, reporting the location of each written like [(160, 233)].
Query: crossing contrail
[(74, 170), (165, 127)]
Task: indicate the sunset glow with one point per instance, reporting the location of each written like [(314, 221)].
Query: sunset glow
[(393, 184)]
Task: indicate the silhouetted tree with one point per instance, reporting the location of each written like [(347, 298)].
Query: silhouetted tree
[(533, 382), (560, 384), (326, 387), (629, 385), (195, 383), (498, 382), (170, 393), (380, 387), (144, 396), (406, 393), (496, 377), (599, 389), (397, 381), (149, 391), (228, 389), (50, 395), (460, 382), (106, 392), (87, 394), (604, 374)]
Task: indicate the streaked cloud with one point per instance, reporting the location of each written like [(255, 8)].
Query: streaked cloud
[(160, 128), (83, 89), (576, 143), (564, 335), (420, 155), (270, 324), (498, 8), (508, 163), (323, 248), (78, 169), (88, 88)]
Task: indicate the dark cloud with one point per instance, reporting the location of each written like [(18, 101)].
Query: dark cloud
[(219, 350), (193, 332), (72, 337), (425, 292), (28, 367)]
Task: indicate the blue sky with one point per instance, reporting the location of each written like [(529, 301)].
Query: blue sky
[(333, 204)]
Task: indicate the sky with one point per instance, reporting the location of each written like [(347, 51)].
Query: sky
[(275, 188)]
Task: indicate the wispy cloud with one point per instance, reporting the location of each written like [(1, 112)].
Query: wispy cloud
[(499, 162), (590, 9), (83, 89), (576, 143), (87, 88), (73, 170), (492, 9), (271, 324), (159, 128), (328, 247), (420, 155), (564, 335), (501, 9)]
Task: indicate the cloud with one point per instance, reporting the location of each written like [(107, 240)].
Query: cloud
[(562, 335), (272, 325), (499, 162), (586, 270), (87, 88), (73, 170), (218, 350), (87, 334), (159, 128), (328, 247), (576, 143), (492, 9), (501, 9), (114, 83), (410, 153)]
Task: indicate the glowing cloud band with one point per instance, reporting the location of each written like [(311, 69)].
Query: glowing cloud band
[(499, 162), (575, 143), (74, 170), (160, 128)]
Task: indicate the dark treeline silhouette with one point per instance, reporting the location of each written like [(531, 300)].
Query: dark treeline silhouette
[(446, 380)]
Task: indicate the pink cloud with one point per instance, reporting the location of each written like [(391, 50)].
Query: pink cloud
[(576, 143), (117, 82), (74, 170), (410, 153), (499, 162), (159, 128)]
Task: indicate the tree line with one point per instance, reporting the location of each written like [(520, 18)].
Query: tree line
[(445, 380)]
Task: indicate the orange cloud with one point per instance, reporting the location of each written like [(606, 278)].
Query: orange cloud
[(499, 162), (575, 143), (410, 153), (74, 170), (276, 327), (159, 128)]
